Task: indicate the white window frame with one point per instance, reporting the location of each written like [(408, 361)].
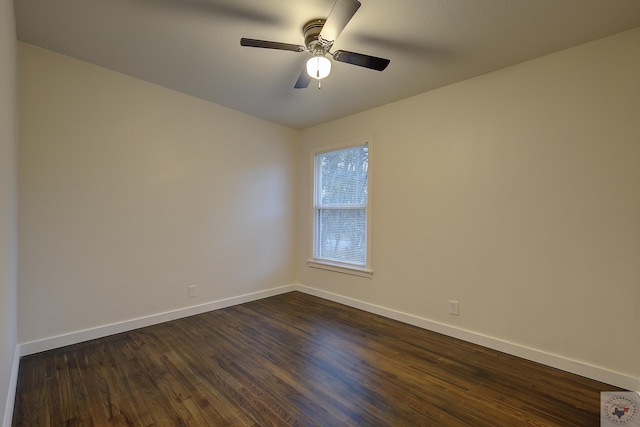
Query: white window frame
[(353, 269)]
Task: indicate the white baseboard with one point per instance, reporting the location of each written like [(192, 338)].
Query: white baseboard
[(575, 367), (13, 383), (75, 337)]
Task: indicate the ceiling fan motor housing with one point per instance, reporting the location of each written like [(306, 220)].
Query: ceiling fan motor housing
[(311, 31)]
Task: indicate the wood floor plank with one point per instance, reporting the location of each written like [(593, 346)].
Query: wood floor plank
[(294, 360)]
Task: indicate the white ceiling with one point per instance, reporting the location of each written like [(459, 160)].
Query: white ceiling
[(193, 46)]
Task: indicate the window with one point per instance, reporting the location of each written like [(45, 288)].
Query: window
[(341, 210)]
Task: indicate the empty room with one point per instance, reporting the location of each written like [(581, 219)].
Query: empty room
[(319, 213)]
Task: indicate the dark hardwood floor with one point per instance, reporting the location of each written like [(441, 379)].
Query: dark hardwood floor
[(294, 359)]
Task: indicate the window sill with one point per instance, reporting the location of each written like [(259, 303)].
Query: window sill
[(340, 268)]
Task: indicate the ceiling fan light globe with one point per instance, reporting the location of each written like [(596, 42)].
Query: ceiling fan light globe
[(318, 67)]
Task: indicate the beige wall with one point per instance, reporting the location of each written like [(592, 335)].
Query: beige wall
[(130, 192), (516, 193), (8, 205)]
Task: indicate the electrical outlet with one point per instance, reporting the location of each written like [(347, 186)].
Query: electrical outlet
[(454, 308), (193, 291)]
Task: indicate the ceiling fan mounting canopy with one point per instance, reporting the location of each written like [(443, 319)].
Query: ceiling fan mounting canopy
[(319, 37)]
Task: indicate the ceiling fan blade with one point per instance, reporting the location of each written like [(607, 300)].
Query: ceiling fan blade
[(362, 60), (303, 80), (339, 17), (272, 45)]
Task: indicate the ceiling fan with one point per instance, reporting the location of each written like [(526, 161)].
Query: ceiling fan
[(319, 37)]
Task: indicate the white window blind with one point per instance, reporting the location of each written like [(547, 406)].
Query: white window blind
[(341, 199)]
